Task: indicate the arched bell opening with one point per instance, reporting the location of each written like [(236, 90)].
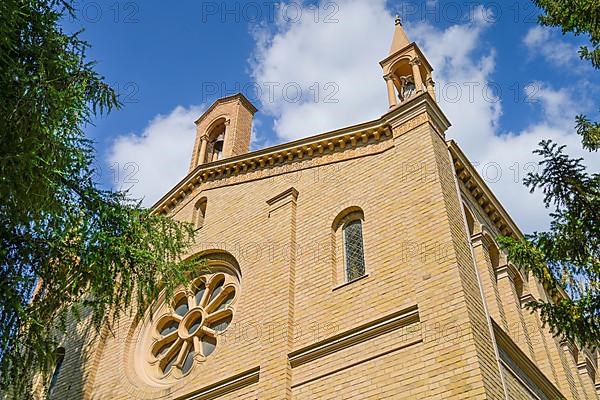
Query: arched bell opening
[(404, 81), (216, 140), (406, 70)]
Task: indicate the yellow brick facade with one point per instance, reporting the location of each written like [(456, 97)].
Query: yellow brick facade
[(438, 314)]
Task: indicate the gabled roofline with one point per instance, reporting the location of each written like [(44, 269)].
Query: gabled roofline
[(486, 198), (466, 172), (237, 96), (261, 157), (336, 140), (416, 48)]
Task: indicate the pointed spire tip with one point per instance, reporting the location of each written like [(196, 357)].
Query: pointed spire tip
[(400, 40)]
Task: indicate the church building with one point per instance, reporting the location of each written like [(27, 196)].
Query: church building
[(360, 263)]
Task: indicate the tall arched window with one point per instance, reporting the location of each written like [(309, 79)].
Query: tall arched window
[(354, 252), (348, 245), (200, 213), (60, 357)]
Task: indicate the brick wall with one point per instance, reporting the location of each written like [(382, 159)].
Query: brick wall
[(417, 326)]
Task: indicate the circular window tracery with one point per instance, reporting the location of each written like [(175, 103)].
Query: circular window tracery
[(187, 331)]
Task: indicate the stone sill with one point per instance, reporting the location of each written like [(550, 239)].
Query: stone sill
[(350, 282)]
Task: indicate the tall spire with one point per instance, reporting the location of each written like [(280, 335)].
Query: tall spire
[(400, 39), (406, 71)]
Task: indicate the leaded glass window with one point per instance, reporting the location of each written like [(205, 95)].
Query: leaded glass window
[(190, 329), (354, 250)]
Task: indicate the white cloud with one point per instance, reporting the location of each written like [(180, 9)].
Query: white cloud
[(502, 158), (348, 53), (309, 54), (334, 64), (153, 161), (463, 81), (542, 41), (506, 158)]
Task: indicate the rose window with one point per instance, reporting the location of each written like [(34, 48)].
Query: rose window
[(188, 330)]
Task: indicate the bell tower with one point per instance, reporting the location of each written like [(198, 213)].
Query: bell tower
[(406, 70), (223, 130)]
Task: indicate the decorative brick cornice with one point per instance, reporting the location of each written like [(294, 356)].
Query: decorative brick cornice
[(416, 111), (488, 202), (471, 180), (421, 109), (296, 151)]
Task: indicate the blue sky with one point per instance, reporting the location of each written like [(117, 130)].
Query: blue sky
[(504, 82)]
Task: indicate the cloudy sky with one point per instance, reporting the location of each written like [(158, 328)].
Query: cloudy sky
[(312, 66)]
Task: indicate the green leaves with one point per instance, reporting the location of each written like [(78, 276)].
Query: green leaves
[(589, 132), (578, 17), (568, 255), (93, 252)]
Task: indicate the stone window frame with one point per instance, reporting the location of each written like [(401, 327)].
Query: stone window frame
[(340, 222), (221, 266), (347, 262)]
